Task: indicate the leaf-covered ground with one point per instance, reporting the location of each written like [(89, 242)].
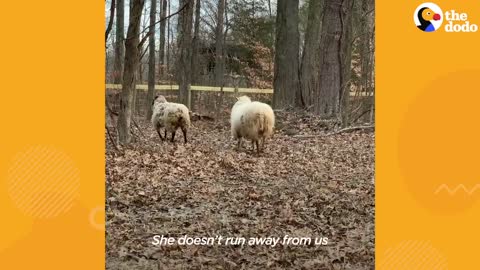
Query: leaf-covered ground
[(307, 183)]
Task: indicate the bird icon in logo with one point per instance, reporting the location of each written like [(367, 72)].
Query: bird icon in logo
[(425, 16)]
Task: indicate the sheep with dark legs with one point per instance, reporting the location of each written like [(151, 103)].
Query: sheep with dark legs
[(170, 116)]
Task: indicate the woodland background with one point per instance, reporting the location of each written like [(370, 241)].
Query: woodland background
[(315, 177), (316, 55)]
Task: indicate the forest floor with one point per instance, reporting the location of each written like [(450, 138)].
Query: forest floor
[(307, 183)]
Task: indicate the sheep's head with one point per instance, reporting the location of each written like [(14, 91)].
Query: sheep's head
[(243, 99), (160, 99)]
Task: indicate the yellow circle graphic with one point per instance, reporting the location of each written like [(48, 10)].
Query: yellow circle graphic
[(439, 143), (43, 182)]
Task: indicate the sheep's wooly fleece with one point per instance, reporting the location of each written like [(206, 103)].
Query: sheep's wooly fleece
[(169, 115), (252, 120)]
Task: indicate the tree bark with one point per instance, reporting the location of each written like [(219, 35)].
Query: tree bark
[(110, 22), (119, 43), (332, 82), (219, 59), (286, 73), (346, 60), (270, 14), (140, 71), (366, 51), (372, 105), (272, 34), (151, 60), (184, 65), (311, 53), (167, 70), (129, 74), (161, 48), (195, 39)]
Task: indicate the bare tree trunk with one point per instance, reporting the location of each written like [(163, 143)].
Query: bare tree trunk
[(367, 23), (219, 59), (131, 66), (151, 60), (195, 40), (184, 66), (371, 73), (167, 70), (119, 44), (110, 21), (272, 34), (346, 59), (253, 9), (309, 67), (286, 81), (161, 48), (366, 45), (270, 14), (140, 71), (138, 80), (372, 76), (332, 82)]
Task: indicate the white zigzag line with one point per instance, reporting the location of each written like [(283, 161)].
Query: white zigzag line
[(453, 191)]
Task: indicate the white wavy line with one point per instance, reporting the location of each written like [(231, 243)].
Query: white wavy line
[(454, 191)]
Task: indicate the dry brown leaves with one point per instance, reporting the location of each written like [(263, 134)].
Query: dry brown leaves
[(315, 187)]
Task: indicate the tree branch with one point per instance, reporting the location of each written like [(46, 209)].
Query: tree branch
[(352, 129), (151, 26), (368, 12), (143, 54)]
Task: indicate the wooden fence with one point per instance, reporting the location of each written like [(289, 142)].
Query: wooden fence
[(211, 89)]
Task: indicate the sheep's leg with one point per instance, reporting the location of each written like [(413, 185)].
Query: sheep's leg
[(184, 131), (173, 135), (165, 134), (258, 149), (239, 144), (158, 131)]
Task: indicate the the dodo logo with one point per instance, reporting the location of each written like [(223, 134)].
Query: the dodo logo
[(428, 17)]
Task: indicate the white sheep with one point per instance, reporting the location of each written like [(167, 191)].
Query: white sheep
[(170, 116), (252, 120)]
